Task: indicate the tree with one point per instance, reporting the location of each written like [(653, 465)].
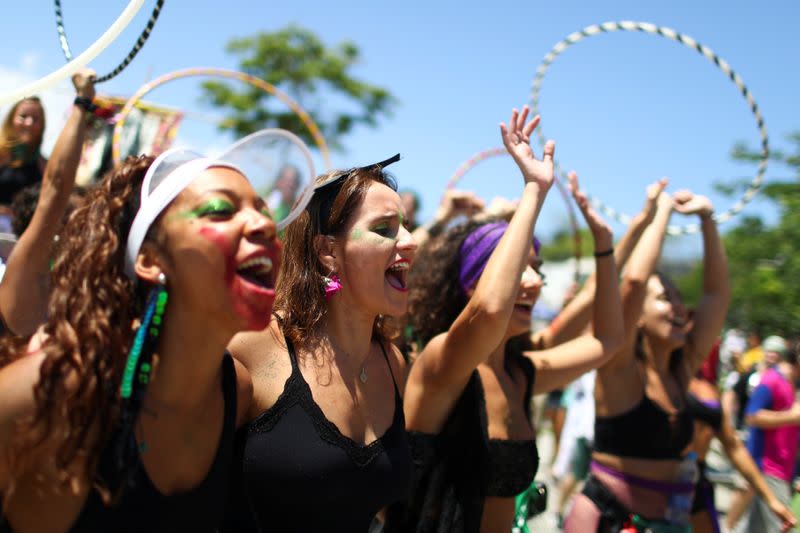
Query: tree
[(561, 245), (764, 260), (319, 78)]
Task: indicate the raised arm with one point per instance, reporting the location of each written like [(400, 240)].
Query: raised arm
[(573, 319), (633, 286), (713, 306), (25, 286), (445, 364), (564, 363)]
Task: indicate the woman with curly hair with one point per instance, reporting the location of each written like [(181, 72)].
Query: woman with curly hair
[(468, 392), (105, 426), (326, 422), (641, 474)]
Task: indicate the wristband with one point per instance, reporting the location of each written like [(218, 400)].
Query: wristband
[(605, 253), (85, 104)]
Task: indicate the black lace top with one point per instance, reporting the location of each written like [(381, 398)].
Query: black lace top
[(299, 473), (457, 469)]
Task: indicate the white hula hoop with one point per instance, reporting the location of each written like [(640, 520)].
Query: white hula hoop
[(689, 42), (79, 62)]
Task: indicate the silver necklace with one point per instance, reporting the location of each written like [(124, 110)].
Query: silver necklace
[(363, 375)]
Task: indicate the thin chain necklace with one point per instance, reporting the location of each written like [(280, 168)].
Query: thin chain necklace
[(362, 376)]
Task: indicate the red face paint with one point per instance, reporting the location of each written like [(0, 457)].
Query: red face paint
[(251, 302)]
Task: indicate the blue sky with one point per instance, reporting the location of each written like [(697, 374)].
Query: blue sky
[(623, 108)]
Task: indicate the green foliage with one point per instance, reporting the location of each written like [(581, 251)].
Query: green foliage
[(319, 78), (764, 260), (562, 245)]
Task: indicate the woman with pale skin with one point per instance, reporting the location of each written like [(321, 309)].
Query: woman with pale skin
[(325, 449), (643, 429), (26, 282), (76, 453), (468, 392)]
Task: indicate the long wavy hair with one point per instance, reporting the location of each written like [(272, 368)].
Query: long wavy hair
[(300, 299), (89, 330), (435, 295), (8, 135)]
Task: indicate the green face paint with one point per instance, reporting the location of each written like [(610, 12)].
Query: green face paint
[(264, 211), (357, 234), (215, 206)]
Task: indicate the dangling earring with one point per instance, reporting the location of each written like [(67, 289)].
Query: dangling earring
[(332, 285)]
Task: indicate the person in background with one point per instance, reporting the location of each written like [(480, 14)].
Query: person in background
[(21, 163), (25, 286), (774, 419), (284, 193)]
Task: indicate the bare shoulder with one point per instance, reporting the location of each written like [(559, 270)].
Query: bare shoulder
[(264, 357), (17, 401)]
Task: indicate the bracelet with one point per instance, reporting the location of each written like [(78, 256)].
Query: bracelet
[(605, 253), (85, 104)]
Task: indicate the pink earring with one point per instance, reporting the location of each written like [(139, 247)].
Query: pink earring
[(332, 285)]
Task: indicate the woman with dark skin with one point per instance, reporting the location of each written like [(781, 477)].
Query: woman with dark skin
[(642, 426), (326, 421), (468, 391), (713, 422), (26, 282), (75, 455)]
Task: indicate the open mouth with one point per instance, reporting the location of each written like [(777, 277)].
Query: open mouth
[(397, 275), (258, 271), (524, 307)]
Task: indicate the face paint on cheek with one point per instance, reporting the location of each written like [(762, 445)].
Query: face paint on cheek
[(357, 234), (253, 304)]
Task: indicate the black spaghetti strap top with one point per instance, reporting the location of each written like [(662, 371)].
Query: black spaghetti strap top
[(299, 473), (14, 179), (143, 508)]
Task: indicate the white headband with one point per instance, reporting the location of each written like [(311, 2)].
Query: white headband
[(182, 167)]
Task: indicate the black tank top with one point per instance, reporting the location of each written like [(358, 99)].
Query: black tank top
[(14, 179), (646, 431), (143, 508), (708, 412), (299, 473)]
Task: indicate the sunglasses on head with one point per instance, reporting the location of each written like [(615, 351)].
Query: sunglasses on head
[(341, 176)]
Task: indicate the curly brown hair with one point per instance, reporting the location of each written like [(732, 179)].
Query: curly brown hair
[(300, 298), (89, 328)]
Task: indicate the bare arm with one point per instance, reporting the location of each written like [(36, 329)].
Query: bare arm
[(25, 287), (769, 419), (710, 313), (576, 315), (564, 363), (633, 287), (444, 366), (744, 463)]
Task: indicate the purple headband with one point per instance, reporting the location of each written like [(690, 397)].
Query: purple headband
[(476, 250)]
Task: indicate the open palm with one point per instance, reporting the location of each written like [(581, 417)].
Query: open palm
[(516, 139)]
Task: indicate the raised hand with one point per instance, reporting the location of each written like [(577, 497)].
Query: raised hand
[(455, 202), (654, 191), (83, 80), (516, 139), (601, 231), (687, 203)]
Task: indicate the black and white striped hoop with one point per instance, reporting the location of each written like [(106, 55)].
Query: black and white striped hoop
[(689, 42), (62, 37)]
